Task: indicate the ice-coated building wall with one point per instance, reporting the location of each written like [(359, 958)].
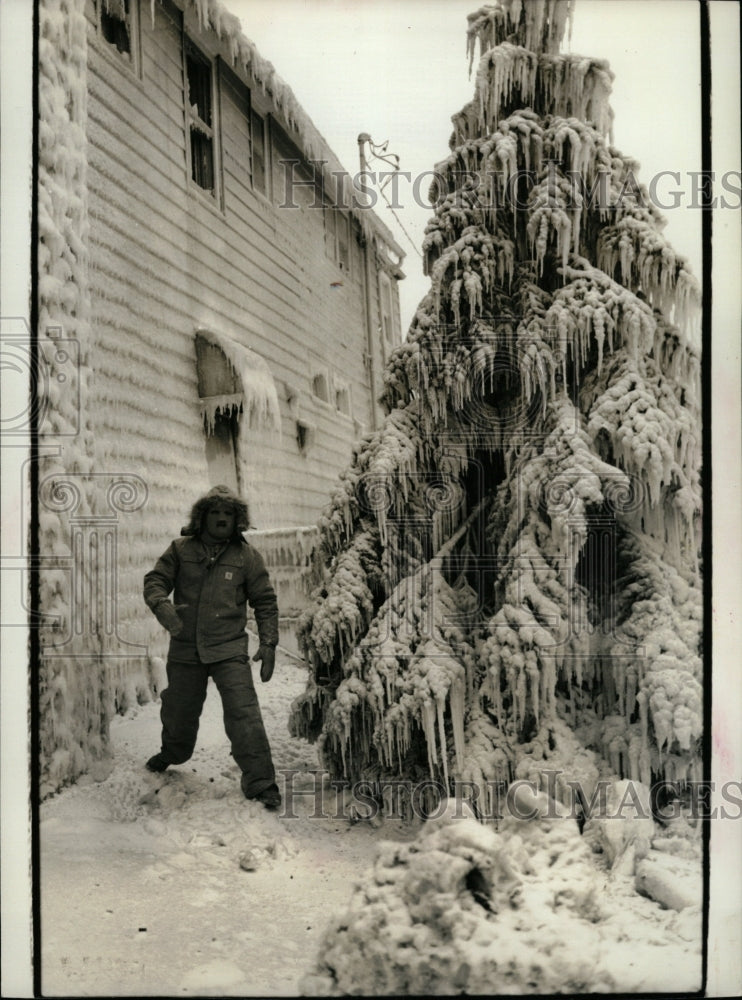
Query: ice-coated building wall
[(182, 203)]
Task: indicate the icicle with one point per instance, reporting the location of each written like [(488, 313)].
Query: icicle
[(457, 703), (442, 736), (428, 718), (213, 405), (260, 398), (531, 668)]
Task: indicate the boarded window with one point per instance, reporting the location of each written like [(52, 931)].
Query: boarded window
[(221, 450), (234, 386), (221, 401), (216, 376), (199, 76), (234, 379)]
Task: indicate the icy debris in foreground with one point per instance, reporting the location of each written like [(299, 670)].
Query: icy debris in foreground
[(465, 909)]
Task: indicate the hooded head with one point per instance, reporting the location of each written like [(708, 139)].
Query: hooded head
[(217, 496)]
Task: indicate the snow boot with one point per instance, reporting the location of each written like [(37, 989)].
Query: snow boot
[(157, 763), (270, 796)]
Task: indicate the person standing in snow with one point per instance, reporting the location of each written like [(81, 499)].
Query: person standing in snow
[(213, 573)]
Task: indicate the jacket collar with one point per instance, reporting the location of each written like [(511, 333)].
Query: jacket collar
[(198, 548)]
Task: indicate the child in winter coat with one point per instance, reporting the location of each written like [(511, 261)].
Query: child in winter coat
[(213, 572)]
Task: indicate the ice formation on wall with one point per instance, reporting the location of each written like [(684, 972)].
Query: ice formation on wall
[(516, 548), (89, 581), (257, 403), (71, 702)]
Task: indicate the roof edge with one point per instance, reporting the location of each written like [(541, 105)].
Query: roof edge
[(214, 16)]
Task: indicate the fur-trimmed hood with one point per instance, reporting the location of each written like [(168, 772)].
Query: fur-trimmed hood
[(217, 495)]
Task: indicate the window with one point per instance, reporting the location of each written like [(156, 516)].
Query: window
[(343, 243), (305, 434), (221, 404), (337, 237), (259, 139), (330, 232), (342, 397), (320, 387), (388, 325), (301, 436), (201, 119), (237, 395), (117, 25)]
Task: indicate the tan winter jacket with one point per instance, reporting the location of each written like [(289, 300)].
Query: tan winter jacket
[(214, 592)]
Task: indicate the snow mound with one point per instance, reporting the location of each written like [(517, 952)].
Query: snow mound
[(466, 909), (625, 832), (675, 882)]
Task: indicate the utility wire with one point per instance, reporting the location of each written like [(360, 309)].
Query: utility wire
[(401, 226), (378, 151)]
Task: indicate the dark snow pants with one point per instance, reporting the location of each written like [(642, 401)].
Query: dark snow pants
[(182, 702)]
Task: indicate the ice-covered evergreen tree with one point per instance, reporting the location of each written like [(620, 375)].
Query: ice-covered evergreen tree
[(512, 575)]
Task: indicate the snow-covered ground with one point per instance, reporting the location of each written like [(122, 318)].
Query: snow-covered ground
[(142, 889), (175, 885)]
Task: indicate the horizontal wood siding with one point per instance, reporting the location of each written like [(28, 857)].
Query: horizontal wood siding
[(166, 259)]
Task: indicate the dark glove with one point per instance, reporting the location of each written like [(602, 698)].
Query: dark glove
[(166, 614), (268, 655)]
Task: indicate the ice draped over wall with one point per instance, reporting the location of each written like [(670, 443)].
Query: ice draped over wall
[(86, 672), (511, 561), (73, 701)]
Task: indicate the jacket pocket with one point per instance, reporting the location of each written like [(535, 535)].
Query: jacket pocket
[(230, 586)]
